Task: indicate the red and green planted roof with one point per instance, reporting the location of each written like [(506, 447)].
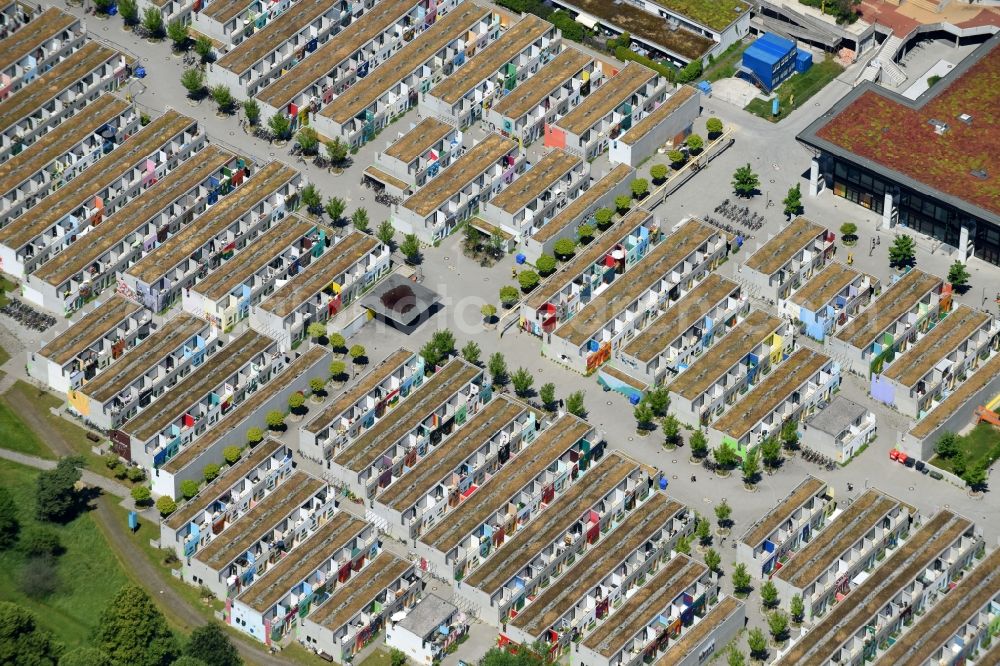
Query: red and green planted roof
[(901, 137)]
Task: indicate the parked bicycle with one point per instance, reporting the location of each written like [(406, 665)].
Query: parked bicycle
[(27, 316)]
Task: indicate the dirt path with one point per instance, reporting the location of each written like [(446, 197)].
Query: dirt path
[(28, 412)]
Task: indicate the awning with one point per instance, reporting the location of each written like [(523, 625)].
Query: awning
[(587, 20)]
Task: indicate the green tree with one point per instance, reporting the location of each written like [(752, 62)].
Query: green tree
[(360, 219), (676, 157), (777, 624), (255, 436), (958, 463), (316, 330), (223, 98), (397, 657), (585, 232), (745, 181), (683, 545), (658, 172), (694, 143), (385, 232), (471, 351), (713, 560), (741, 579), (203, 47), (947, 445), (317, 385), (335, 207), (903, 251), (958, 276), (724, 456), (703, 532), (142, 496), (640, 188), (528, 280), (40, 541), (295, 402), (713, 126), (211, 472), (849, 232), (522, 381), (56, 497), (622, 203), (132, 631), (312, 199), (129, 11), (564, 248), (251, 109), (22, 641), (797, 608), (193, 81), (280, 126), (489, 311), (790, 434), (977, 475), (444, 340), (189, 488), (497, 366), (336, 150), (757, 642), (410, 247), (575, 406), (793, 200), (751, 466), (178, 34), (547, 394), (135, 474), (602, 218), (671, 431), (308, 140), (724, 514), (769, 595), (338, 343), (275, 419), (734, 657), (210, 644), (338, 371), (185, 660), (546, 264), (85, 656), (659, 401), (166, 505), (152, 22), (643, 417), (10, 526), (231, 454), (508, 296), (699, 444), (690, 71), (770, 452)]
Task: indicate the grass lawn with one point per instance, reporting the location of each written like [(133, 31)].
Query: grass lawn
[(89, 574), (981, 444), (6, 286), (797, 90), (16, 436), (379, 657), (725, 65), (75, 435)]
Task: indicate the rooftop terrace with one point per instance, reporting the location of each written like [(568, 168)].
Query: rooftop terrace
[(463, 171), (965, 391), (657, 115), (824, 286), (621, 293), (941, 341), (353, 596), (88, 329), (439, 465), (566, 510), (550, 444), (534, 182), (576, 208), (33, 35), (371, 444), (774, 518), (418, 140), (770, 392), (614, 92), (784, 246), (894, 302), (278, 31), (684, 314), (695, 635), (533, 92)]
